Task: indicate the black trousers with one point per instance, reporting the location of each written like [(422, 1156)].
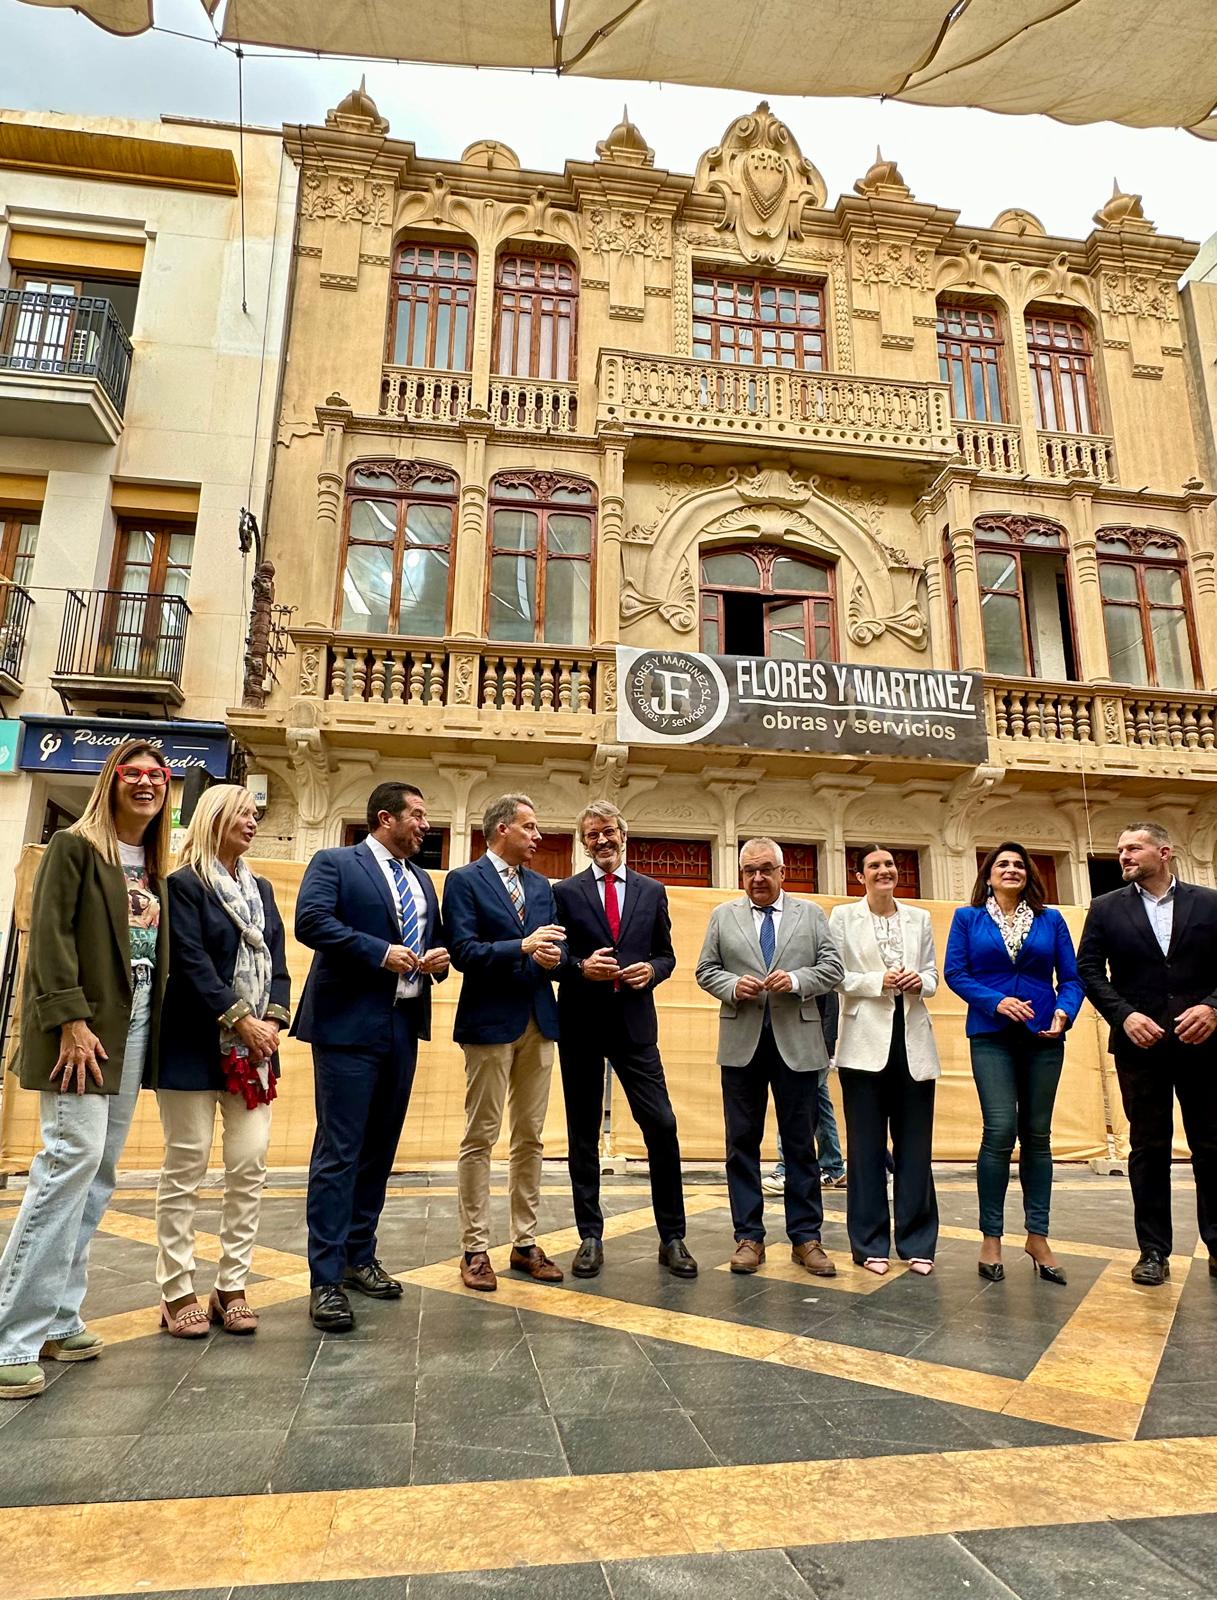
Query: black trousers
[(361, 1097), (640, 1072), (875, 1102), (1149, 1081), (745, 1101)]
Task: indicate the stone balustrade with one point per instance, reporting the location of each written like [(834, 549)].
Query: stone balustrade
[(1077, 455), (380, 673), (991, 446), (1101, 714), (540, 682), (836, 410), (415, 394), (531, 406)]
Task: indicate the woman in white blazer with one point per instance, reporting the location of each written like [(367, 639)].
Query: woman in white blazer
[(888, 1063)]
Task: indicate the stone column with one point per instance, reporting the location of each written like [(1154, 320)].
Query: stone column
[(469, 559), (967, 601), (607, 624), (1204, 585), (1093, 665), (483, 327), (327, 529)]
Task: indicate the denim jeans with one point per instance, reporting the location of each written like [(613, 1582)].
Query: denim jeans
[(1016, 1076), (828, 1140), (44, 1269)]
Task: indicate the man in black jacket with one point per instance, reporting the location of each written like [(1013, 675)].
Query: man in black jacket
[(1148, 963), (619, 949)]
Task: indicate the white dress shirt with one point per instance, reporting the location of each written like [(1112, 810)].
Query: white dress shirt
[(407, 988), (758, 918), (1161, 913), (599, 874)]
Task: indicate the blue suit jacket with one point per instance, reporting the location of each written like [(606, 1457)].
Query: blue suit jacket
[(502, 988), (346, 915), (978, 968)]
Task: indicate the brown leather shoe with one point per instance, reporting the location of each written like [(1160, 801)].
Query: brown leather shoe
[(477, 1273), (535, 1263), (749, 1253), (811, 1255)]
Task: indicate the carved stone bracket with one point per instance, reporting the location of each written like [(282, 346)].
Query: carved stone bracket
[(678, 607), (311, 769), (908, 624)]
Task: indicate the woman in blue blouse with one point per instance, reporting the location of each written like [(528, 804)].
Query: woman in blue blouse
[(1011, 958)]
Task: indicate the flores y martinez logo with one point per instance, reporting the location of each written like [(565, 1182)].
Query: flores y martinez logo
[(680, 696)]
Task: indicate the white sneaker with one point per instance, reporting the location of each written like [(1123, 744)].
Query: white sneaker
[(774, 1183)]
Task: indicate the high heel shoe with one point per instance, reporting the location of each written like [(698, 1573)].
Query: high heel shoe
[(992, 1270), (1043, 1270)]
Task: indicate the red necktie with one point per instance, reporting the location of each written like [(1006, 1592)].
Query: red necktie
[(612, 910)]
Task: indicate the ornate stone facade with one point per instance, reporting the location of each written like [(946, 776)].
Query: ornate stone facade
[(851, 462)]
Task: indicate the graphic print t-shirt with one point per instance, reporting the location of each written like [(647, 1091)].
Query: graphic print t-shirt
[(143, 908)]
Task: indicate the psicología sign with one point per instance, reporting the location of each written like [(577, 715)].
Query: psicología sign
[(68, 744), (670, 697)]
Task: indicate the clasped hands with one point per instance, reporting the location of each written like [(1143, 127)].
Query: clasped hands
[(901, 978), (750, 988), (1020, 1011), (409, 963), (1192, 1026), (602, 967), (544, 945)]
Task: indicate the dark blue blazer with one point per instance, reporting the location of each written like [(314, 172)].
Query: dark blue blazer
[(592, 1014), (346, 914), (978, 968), (203, 943), (501, 988)]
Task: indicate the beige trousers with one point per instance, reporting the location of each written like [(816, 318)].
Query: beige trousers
[(519, 1074), (188, 1118)]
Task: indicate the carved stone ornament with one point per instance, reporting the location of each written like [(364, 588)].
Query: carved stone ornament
[(357, 113), (771, 485), (625, 146), (895, 264), (764, 182), (1017, 221), (1123, 213), (342, 197), (882, 180), (1138, 294), (1017, 525), (964, 799), (1140, 540), (609, 762), (405, 474), (863, 627), (463, 673), (310, 765), (678, 608)]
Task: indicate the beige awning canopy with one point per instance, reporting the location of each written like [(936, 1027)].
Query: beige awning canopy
[(1147, 63)]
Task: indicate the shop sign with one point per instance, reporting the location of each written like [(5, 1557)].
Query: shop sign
[(68, 744), (677, 697), (10, 744)]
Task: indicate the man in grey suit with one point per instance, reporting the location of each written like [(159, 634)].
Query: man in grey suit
[(765, 959)]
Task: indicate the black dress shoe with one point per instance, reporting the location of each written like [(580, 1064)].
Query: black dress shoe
[(677, 1259), (329, 1309), (1153, 1269), (993, 1270), (589, 1258), (372, 1279)]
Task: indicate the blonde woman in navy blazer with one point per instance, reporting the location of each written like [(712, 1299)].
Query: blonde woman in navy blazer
[(1011, 958)]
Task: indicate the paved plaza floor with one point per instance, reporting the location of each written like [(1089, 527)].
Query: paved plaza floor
[(633, 1437)]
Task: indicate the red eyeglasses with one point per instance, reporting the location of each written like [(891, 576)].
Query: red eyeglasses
[(156, 776)]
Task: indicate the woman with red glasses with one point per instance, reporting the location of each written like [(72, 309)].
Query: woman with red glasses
[(90, 1012)]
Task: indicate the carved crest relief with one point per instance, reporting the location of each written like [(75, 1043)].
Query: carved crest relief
[(764, 182)]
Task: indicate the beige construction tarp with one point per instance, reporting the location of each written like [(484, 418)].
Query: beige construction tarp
[(688, 1028), (1147, 63)]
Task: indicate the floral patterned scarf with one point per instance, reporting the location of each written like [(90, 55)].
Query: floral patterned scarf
[(1013, 928)]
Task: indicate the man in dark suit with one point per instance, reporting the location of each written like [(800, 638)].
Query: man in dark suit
[(618, 949), (372, 922), (504, 936), (1148, 963)]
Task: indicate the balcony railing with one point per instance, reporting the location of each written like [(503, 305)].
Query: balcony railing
[(417, 394), (65, 336), (15, 606), (533, 406), (1077, 455), (991, 446), (544, 680), (710, 399), (517, 405), (1101, 714), (114, 639)]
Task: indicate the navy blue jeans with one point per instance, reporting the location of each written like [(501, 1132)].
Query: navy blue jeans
[(1016, 1076)]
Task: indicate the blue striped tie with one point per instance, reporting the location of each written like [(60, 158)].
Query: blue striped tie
[(768, 939), (407, 911)]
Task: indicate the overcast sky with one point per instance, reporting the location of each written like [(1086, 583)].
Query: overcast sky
[(974, 161)]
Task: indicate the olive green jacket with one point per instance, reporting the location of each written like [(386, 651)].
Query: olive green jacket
[(78, 964)]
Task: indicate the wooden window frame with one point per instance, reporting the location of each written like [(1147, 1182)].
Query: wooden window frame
[(407, 474), (639, 851), (397, 299), (1047, 361), (566, 298), (544, 484), (992, 353), (765, 556), (163, 528), (11, 523), (816, 361), (1002, 533), (1139, 541)]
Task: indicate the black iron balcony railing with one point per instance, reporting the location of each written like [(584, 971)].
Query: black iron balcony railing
[(15, 606), (113, 634), (67, 336)]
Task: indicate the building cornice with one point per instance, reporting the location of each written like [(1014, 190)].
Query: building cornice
[(116, 158)]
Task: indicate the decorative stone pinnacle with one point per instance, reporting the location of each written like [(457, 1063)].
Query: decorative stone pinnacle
[(882, 181), (625, 145), (357, 113), (1123, 213)]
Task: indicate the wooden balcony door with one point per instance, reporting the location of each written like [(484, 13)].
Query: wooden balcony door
[(141, 635)]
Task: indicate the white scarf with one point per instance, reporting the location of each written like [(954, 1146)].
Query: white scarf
[(251, 977), (1013, 928)]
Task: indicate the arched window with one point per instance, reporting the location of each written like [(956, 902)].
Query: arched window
[(1062, 373), (767, 601), (1147, 614), (758, 322), (536, 312), (1025, 606), (431, 307), (396, 556), (971, 358), (543, 531)]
